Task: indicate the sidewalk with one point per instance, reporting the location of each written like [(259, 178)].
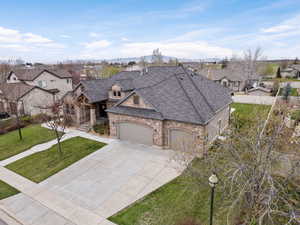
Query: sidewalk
[(73, 213)]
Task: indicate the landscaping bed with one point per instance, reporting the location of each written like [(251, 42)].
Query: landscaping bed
[(11, 145), (41, 165), (7, 190)]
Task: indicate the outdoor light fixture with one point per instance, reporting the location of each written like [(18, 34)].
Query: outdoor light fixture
[(213, 181)]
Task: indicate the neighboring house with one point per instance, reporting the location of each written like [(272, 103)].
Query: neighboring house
[(292, 71), (162, 106), (259, 91), (233, 78), (23, 97), (57, 81)]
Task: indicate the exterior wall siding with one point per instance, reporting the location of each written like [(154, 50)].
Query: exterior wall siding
[(142, 104), (156, 125), (36, 98), (53, 82), (217, 124)]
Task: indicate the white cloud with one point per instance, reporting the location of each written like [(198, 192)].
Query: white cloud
[(124, 39), (17, 41), (195, 49), (93, 34), (97, 44), (34, 38), (285, 26), (65, 36)]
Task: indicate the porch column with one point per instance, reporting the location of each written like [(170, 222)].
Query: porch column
[(77, 112), (93, 115)]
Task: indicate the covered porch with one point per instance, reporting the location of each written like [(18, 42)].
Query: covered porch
[(90, 114)]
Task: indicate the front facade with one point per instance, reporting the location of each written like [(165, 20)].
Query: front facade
[(23, 99), (56, 81), (162, 106), (292, 71)]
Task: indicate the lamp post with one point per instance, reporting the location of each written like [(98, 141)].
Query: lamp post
[(213, 181)]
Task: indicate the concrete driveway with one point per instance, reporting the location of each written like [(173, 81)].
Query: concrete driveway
[(110, 179)]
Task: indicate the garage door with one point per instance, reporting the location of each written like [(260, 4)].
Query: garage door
[(180, 140), (136, 133)]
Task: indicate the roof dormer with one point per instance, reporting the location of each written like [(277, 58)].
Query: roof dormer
[(116, 92)]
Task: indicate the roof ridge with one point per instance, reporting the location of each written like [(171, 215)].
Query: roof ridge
[(199, 91), (188, 97)]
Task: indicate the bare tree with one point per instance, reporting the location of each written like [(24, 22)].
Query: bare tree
[(55, 119), (157, 58), (259, 173), (4, 70)]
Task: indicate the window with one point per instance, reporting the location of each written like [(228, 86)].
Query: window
[(42, 83), (136, 100), (114, 93), (119, 93)]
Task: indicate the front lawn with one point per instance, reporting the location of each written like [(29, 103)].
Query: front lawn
[(41, 165), (245, 114), (293, 92), (7, 190), (10, 144), (180, 200)]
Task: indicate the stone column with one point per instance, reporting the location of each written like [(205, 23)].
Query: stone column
[(77, 114), (93, 115)]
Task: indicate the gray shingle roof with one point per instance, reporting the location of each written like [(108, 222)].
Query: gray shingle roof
[(33, 73), (97, 90), (138, 112), (180, 95), (233, 74)]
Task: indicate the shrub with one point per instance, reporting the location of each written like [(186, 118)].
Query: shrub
[(101, 129), (296, 115)]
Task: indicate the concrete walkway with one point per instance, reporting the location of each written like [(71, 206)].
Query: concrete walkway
[(92, 189), (74, 213)]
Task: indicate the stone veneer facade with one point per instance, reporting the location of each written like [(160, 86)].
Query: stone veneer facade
[(161, 129)]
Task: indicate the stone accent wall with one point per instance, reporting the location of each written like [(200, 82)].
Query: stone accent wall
[(143, 104), (156, 125)]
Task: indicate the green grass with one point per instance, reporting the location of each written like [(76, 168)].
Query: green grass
[(41, 165), (172, 203), (7, 190), (281, 79), (10, 144), (182, 198), (294, 92)]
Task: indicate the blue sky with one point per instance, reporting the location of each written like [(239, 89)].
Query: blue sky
[(56, 30)]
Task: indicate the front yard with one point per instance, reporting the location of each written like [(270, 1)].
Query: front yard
[(177, 202), (10, 144), (39, 166), (6, 190), (182, 199)]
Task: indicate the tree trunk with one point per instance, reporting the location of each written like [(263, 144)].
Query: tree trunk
[(18, 125), (58, 143)]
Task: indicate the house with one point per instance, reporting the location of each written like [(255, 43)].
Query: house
[(292, 71), (159, 106), (259, 91), (57, 81), (24, 98), (236, 79)]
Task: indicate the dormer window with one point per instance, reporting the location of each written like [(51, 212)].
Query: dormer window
[(119, 93), (115, 93), (136, 100)]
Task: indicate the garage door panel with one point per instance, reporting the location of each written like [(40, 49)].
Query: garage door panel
[(136, 133), (181, 140)]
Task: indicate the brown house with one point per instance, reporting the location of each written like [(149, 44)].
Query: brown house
[(168, 107)]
